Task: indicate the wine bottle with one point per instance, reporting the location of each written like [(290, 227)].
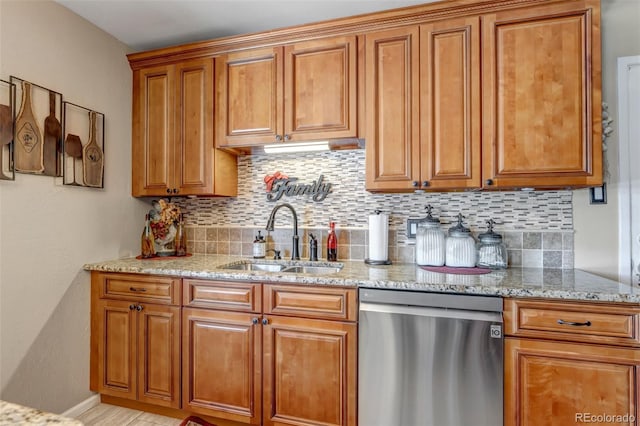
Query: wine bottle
[(181, 238), (147, 244), (332, 243)]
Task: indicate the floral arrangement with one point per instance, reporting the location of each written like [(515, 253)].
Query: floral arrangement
[(164, 216)]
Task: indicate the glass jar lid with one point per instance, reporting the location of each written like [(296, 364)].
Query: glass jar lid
[(490, 236), (459, 230), (429, 221)]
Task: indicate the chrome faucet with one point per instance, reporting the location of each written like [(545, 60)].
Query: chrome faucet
[(295, 252)]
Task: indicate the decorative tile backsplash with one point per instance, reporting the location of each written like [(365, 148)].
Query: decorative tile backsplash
[(537, 226)]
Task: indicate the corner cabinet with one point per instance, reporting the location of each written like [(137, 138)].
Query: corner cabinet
[(173, 133), (296, 92), (135, 338), (542, 96), (566, 361)]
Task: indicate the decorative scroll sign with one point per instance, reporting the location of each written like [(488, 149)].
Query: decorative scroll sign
[(279, 184)]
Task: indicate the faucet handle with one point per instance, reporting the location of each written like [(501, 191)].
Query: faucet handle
[(276, 254)]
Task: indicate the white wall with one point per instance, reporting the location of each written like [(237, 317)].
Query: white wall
[(49, 231), (596, 226)]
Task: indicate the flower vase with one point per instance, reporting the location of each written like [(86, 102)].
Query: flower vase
[(165, 240)]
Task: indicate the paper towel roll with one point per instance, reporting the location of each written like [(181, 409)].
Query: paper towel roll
[(378, 237)]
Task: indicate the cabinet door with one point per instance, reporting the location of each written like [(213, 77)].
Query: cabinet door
[(194, 142), (392, 112), (159, 354), (450, 103), (309, 372), (249, 97), (152, 140), (542, 96), (558, 384), (222, 364), (320, 89), (115, 327)]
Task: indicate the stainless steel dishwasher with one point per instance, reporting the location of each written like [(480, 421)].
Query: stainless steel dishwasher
[(429, 359)]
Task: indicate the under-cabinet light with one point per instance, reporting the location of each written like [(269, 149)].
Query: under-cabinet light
[(296, 147)]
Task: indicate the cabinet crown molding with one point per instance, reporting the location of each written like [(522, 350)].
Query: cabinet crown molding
[(357, 24)]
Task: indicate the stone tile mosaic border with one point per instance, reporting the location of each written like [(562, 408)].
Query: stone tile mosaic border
[(553, 249)]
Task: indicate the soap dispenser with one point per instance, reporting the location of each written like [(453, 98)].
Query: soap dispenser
[(259, 247)]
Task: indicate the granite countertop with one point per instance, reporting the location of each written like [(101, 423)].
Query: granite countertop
[(14, 414), (569, 284)]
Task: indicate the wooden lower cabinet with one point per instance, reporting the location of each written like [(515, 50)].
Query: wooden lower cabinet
[(558, 384), (138, 347), (222, 354), (264, 369), (309, 375)]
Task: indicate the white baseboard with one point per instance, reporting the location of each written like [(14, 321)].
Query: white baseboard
[(80, 408)]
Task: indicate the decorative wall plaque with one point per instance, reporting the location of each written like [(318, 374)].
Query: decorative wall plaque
[(7, 112), (37, 145), (279, 185), (83, 146)]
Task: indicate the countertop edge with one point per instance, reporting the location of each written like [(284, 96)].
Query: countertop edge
[(499, 284)]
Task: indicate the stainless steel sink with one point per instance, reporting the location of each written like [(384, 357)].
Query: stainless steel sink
[(320, 270), (269, 267), (288, 268)]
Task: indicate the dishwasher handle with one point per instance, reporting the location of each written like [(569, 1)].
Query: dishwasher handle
[(466, 302), (422, 311)]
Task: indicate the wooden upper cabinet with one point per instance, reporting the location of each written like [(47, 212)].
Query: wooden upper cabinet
[(153, 121), (392, 112), (450, 104), (249, 97), (320, 89), (423, 107), (542, 96), (298, 92), (173, 145)]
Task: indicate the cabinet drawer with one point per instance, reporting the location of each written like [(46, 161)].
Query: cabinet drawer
[(583, 322), (144, 288), (311, 302), (222, 295)]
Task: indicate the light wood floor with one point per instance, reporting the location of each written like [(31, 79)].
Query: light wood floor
[(111, 415)]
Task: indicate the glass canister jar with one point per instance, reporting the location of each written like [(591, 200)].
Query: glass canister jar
[(430, 241), (460, 246), (492, 253)]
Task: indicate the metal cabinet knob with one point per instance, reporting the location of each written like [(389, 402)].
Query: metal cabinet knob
[(176, 190), (489, 182), (265, 321), (168, 190), (425, 183), (139, 308), (255, 321), (278, 138), (287, 137), (414, 183), (132, 307)]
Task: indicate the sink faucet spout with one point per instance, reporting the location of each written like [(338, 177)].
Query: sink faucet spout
[(295, 251)]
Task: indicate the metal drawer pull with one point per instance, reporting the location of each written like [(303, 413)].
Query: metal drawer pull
[(576, 324), (141, 289)]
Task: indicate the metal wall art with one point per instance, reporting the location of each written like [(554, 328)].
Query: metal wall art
[(37, 147), (7, 111), (83, 146), (43, 135)]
